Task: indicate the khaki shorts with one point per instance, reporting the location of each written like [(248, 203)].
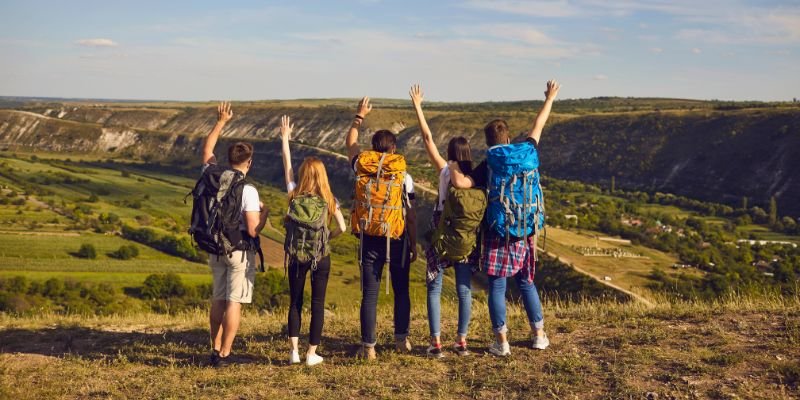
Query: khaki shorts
[(233, 276)]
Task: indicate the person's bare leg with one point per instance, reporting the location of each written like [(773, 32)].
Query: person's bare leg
[(293, 342), (501, 337), (436, 341), (462, 338), (312, 349), (230, 324), (215, 319)]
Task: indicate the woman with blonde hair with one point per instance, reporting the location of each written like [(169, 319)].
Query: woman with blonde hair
[(312, 206)]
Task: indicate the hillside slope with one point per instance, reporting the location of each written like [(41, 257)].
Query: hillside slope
[(686, 151)]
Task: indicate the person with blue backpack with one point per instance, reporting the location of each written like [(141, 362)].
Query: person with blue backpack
[(456, 216), (514, 217)]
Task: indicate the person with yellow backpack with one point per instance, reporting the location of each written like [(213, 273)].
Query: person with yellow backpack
[(384, 219)]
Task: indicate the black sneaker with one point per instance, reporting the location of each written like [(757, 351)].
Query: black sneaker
[(213, 360), (218, 361), (435, 351), (461, 348)]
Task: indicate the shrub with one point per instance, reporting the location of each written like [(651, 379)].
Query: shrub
[(125, 252), (87, 250)]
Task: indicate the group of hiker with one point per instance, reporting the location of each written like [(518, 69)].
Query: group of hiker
[(486, 217)]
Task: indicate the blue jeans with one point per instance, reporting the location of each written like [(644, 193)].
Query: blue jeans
[(464, 291), (497, 302)]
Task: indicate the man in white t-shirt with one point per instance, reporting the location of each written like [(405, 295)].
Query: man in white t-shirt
[(234, 275)]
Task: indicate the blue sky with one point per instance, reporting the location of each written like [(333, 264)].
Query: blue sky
[(458, 50)]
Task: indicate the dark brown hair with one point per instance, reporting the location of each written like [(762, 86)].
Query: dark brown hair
[(239, 153), (496, 132), (383, 141), (458, 149)]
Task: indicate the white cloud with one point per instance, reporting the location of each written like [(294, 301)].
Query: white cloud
[(538, 8), (518, 33), (656, 50), (98, 42), (696, 51), (600, 77)]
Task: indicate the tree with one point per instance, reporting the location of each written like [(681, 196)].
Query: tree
[(744, 203), (773, 211)]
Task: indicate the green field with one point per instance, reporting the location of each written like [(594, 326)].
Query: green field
[(629, 273)]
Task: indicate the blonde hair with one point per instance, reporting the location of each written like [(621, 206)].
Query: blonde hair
[(312, 179)]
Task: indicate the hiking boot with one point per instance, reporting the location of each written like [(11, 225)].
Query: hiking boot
[(435, 351), (313, 359), (540, 342), (367, 352), (461, 348), (501, 350), (294, 357), (403, 345)]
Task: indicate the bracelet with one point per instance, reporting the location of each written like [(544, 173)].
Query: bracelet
[(359, 117)]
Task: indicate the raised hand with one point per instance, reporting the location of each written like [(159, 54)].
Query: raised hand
[(416, 95), (224, 112), (552, 89), (286, 128), (364, 107)]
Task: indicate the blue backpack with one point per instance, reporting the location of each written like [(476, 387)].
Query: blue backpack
[(516, 201)]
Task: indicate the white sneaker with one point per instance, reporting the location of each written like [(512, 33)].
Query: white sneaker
[(313, 359), (540, 343), (501, 350), (294, 357)]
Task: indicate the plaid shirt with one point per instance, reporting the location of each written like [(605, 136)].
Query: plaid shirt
[(502, 259), (435, 264)]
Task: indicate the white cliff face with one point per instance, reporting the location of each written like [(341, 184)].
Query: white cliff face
[(113, 139)]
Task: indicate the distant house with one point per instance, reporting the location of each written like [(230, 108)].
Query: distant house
[(571, 216), (766, 242)]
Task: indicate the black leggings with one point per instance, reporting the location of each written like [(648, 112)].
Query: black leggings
[(297, 282)]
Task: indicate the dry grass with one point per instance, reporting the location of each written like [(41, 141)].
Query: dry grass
[(733, 348)]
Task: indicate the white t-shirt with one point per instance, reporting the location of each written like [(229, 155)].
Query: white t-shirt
[(444, 185), (250, 200)]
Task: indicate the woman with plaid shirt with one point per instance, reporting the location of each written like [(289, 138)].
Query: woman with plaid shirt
[(458, 150), (501, 259)]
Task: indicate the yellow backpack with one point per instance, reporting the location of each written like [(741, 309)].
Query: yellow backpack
[(379, 207)]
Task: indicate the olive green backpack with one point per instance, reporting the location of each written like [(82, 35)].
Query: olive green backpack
[(307, 231), (456, 236)]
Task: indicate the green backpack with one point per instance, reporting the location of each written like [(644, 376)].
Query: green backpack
[(307, 231), (456, 236)]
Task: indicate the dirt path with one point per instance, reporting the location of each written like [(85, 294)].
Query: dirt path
[(633, 295)]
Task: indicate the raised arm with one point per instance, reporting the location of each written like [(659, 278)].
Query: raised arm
[(224, 114), (340, 224), (457, 178), (427, 137), (352, 135), (286, 131), (544, 113)]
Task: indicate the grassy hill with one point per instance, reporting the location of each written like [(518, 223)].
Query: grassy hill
[(734, 348)]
